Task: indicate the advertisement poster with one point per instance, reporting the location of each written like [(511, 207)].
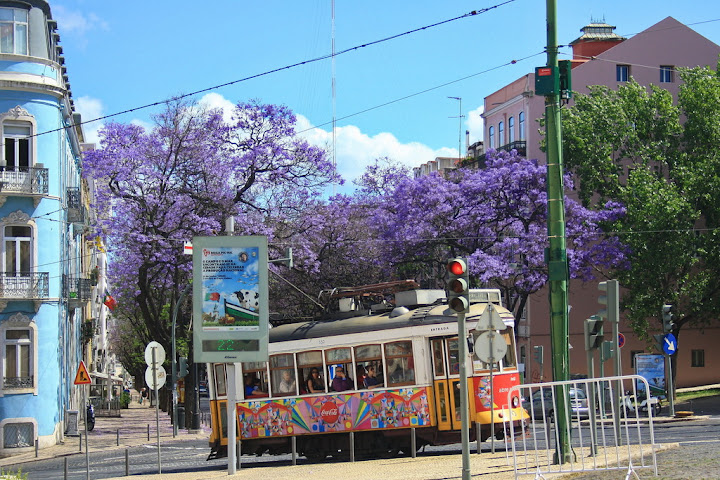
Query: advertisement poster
[(230, 299), (652, 368), (230, 289)]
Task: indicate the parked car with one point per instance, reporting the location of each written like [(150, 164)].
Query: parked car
[(542, 404), (203, 389)]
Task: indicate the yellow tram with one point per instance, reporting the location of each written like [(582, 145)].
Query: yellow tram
[(410, 351)]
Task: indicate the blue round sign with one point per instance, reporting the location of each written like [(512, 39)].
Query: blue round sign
[(669, 344), (621, 340)]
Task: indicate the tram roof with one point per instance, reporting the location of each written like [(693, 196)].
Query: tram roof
[(426, 315)]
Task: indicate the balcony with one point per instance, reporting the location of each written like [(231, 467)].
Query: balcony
[(24, 286), (17, 382), (75, 208), (76, 290), (32, 181), (520, 146)]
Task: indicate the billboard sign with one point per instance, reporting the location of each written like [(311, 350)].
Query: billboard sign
[(230, 299), (652, 368)]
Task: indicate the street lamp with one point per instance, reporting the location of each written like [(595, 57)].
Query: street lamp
[(460, 117)]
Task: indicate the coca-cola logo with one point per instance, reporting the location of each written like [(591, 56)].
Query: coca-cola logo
[(329, 412)]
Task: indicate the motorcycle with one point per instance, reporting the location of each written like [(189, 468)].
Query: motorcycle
[(640, 406), (90, 417)]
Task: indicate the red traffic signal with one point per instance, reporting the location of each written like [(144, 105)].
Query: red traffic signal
[(457, 266), (458, 285)]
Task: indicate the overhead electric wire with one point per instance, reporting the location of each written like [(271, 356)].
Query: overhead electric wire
[(279, 69)]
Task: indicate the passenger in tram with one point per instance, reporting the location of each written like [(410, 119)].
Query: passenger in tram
[(252, 389), (315, 382), (287, 384), (371, 381), (341, 382)]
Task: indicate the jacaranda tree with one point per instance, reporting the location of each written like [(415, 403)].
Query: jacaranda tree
[(183, 177)]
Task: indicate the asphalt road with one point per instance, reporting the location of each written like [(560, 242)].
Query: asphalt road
[(190, 456)]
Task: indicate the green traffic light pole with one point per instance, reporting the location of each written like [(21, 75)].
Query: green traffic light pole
[(557, 253)]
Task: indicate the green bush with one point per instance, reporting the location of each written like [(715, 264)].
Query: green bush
[(8, 475), (124, 400)]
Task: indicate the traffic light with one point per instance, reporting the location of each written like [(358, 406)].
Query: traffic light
[(667, 318), (564, 67), (458, 286), (610, 300), (593, 332), (538, 353), (182, 367)]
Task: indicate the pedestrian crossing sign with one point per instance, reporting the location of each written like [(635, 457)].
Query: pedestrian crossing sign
[(82, 377)]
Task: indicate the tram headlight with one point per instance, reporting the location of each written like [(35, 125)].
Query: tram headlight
[(515, 402)]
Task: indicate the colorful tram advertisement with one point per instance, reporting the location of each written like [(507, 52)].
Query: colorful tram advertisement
[(378, 376)]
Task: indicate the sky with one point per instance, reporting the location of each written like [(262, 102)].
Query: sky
[(392, 97)]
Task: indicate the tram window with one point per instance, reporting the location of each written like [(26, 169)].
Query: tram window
[(220, 389), (400, 363), (453, 354), (509, 361), (256, 372), (367, 356), (437, 355), (336, 358), (282, 375), (307, 362)]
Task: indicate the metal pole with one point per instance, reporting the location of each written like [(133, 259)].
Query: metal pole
[(87, 453), (413, 443), (593, 425), (671, 390), (464, 420), (157, 406), (173, 370), (65, 468), (231, 406), (557, 252), (127, 462), (492, 400), (148, 432), (352, 446), (293, 444)]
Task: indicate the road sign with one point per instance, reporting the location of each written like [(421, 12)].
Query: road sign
[(669, 344), (490, 347), (82, 377), (161, 377), (159, 353), (490, 319), (621, 340)]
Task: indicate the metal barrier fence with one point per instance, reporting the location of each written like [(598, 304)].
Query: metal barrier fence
[(617, 434)]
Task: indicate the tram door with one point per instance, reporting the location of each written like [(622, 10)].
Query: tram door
[(446, 382)]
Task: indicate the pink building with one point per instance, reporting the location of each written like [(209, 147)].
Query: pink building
[(600, 57)]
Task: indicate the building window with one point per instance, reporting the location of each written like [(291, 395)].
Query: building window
[(511, 129), (17, 249), (697, 358), (16, 138), (17, 435), (14, 31), (667, 74), (18, 355), (521, 126), (501, 134), (491, 134), (622, 73)]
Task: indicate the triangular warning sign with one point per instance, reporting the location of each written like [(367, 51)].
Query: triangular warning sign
[(82, 377)]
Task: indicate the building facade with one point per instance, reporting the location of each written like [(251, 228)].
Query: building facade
[(600, 57), (45, 287)]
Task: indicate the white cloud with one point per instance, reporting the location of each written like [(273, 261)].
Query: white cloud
[(215, 100), (90, 109), (142, 123), (475, 124), (356, 150), (77, 23)]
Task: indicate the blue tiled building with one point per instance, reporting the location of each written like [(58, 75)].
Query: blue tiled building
[(44, 289)]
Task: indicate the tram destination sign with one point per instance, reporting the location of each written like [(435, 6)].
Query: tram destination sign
[(230, 299)]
